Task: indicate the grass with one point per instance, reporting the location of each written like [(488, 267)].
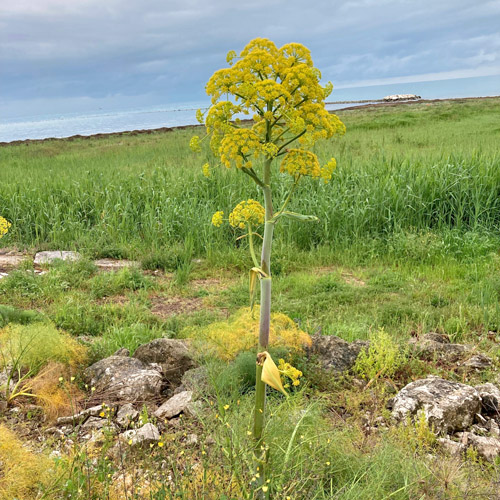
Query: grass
[(407, 243), (401, 171)]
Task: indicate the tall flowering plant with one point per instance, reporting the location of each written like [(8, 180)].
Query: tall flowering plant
[(280, 90)]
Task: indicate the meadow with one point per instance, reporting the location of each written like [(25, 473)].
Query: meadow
[(407, 243)]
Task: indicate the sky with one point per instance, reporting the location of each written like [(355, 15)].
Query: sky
[(81, 55)]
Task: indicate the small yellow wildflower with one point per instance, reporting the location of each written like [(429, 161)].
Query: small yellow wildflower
[(264, 489), (217, 218), (226, 407), (4, 226), (61, 379), (206, 170), (300, 162), (160, 444), (289, 371), (199, 116), (102, 414)]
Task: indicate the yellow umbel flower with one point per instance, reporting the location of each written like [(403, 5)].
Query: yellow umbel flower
[(4, 226), (249, 211), (300, 162), (206, 170), (194, 144), (327, 170), (217, 218)]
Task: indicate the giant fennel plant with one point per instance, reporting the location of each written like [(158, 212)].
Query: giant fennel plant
[(280, 90)]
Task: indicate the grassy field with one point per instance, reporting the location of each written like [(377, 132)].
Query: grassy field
[(407, 243)]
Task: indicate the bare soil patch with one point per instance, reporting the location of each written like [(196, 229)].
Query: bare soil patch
[(169, 306)]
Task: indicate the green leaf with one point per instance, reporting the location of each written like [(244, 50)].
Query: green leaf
[(296, 216)]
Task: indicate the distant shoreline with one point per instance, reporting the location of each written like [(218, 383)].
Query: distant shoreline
[(370, 104)]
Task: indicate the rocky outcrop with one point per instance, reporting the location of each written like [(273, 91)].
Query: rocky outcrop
[(172, 355), (437, 347), (335, 353), (447, 406), (120, 378)]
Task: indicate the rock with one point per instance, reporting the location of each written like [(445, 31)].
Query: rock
[(122, 352), (191, 440), (479, 362), (490, 398), (486, 447), (124, 379), (145, 435), (126, 414), (196, 381), (80, 417), (44, 258), (433, 346), (451, 447), (174, 406), (11, 260), (194, 409), (115, 264), (171, 354), (4, 380), (335, 353), (447, 406)]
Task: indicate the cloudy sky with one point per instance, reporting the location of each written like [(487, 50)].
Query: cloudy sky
[(76, 55)]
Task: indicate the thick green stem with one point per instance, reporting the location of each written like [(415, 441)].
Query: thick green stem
[(265, 321)]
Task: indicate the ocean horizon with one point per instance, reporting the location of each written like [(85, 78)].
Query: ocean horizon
[(96, 121)]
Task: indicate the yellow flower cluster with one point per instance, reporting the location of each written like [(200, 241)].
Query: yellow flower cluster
[(300, 162), (290, 371), (4, 226), (250, 211), (238, 146), (194, 144), (327, 170), (206, 170), (217, 218), (280, 88)]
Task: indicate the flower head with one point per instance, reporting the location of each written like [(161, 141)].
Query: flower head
[(4, 226), (217, 218), (249, 211)]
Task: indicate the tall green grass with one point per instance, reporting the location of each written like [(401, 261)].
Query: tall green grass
[(410, 169)]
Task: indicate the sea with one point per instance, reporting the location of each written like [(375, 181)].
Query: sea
[(96, 121)]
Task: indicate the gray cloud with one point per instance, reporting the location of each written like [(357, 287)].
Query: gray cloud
[(161, 51)]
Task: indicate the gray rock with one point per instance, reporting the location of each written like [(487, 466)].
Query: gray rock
[(486, 447), (479, 362), (196, 381), (49, 257), (171, 354), (124, 379), (4, 380), (451, 447), (447, 406), (123, 351), (191, 440), (194, 409), (115, 264), (80, 417), (145, 435), (174, 406), (335, 353), (126, 414), (490, 398), (433, 346)]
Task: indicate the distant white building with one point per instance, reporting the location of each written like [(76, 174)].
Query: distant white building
[(402, 97)]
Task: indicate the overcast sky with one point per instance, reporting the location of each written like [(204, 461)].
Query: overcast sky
[(70, 55)]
